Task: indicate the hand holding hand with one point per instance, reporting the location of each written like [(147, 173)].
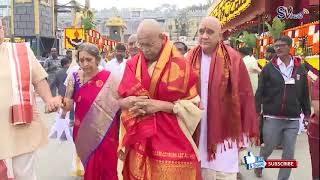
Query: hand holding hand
[(53, 104), (148, 106), (130, 101)]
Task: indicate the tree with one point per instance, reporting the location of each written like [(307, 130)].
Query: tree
[(249, 39), (234, 40), (276, 28), (181, 23), (88, 20)]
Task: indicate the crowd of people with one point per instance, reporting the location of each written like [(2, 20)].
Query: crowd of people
[(161, 112)]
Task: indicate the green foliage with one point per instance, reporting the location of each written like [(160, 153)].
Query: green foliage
[(276, 28), (248, 39), (233, 41), (87, 24), (88, 20)]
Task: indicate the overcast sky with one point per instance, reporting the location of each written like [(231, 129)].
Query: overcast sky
[(147, 4)]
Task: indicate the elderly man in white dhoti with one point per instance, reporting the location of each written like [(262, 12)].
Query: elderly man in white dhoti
[(22, 131)]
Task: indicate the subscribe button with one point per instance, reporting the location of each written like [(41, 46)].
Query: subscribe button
[(273, 163)]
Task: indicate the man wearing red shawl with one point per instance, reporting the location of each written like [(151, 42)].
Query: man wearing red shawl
[(159, 111), (229, 121)]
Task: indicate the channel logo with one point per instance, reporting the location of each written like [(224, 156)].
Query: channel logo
[(253, 162)]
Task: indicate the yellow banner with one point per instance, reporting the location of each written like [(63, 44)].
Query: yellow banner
[(227, 10), (19, 40), (7, 40), (313, 61), (73, 37), (16, 40)]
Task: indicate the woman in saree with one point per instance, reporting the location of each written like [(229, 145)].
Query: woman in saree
[(95, 132)]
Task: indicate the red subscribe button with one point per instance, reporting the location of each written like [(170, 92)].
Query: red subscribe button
[(277, 163)]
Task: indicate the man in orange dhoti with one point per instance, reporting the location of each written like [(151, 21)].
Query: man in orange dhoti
[(22, 131), (159, 111)]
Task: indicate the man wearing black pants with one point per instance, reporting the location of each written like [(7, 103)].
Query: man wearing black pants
[(283, 94)]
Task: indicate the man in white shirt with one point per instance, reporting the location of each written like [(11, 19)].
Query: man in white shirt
[(115, 65), (281, 96), (251, 65)]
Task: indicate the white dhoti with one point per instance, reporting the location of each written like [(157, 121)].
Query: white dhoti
[(22, 167), (60, 130), (209, 174)]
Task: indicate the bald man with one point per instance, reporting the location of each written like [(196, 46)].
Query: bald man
[(159, 110), (22, 130), (132, 45), (226, 94)]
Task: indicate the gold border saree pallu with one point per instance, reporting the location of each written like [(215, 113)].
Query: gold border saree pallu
[(96, 108)]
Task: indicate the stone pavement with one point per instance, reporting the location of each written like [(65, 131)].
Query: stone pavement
[(55, 160)]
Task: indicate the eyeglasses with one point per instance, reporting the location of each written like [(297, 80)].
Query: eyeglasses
[(280, 46)]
